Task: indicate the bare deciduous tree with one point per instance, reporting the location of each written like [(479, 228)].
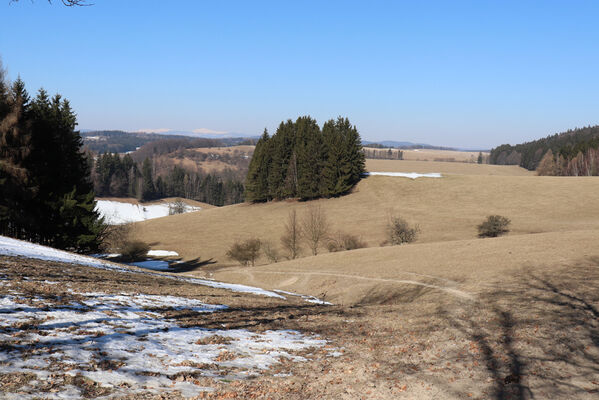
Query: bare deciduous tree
[(315, 227), (270, 251), (292, 236)]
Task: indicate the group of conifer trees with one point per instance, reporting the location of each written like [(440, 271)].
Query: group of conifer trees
[(120, 176), (46, 194), (302, 161)]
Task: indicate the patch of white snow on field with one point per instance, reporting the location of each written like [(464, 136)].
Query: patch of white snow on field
[(143, 349), (20, 248), (411, 175), (162, 253), (116, 212)]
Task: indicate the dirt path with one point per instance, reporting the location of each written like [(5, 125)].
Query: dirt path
[(250, 275)]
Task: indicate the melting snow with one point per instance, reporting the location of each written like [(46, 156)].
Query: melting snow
[(14, 247), (123, 343), (162, 253), (411, 175), (116, 212)]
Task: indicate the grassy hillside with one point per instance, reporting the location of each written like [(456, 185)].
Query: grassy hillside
[(453, 270), (445, 167), (446, 209)]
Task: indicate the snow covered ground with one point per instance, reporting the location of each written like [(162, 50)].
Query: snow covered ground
[(123, 343), (129, 342), (162, 253), (411, 175), (116, 212), (13, 247)]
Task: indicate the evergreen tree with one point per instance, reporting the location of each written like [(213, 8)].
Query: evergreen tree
[(17, 188), (65, 206), (147, 183), (301, 161), (256, 184), (47, 192), (310, 158)]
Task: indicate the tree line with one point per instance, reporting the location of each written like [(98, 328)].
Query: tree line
[(46, 193), (571, 151), (302, 161), (388, 154), (117, 175)]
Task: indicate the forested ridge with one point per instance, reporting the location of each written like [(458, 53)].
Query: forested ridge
[(302, 161), (116, 175), (122, 142), (46, 192), (571, 153)]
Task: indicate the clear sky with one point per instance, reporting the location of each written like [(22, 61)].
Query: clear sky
[(471, 74)]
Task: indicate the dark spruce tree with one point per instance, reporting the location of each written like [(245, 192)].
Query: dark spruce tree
[(47, 195), (17, 189), (256, 183), (65, 200)]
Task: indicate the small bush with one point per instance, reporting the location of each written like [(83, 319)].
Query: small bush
[(344, 241), (177, 207), (493, 226), (114, 236), (271, 252), (399, 231), (245, 252), (134, 250)]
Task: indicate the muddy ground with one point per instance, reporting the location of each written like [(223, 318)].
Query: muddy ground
[(535, 335)]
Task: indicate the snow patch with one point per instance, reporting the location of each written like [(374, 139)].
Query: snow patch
[(411, 175), (162, 253), (124, 343), (116, 212), (20, 248)]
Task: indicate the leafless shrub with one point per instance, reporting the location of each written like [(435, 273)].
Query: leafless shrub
[(344, 241), (315, 227), (271, 252), (493, 226), (177, 207), (134, 250), (292, 236), (114, 236), (399, 231), (246, 252)]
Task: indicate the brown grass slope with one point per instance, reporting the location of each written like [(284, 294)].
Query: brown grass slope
[(446, 209), (461, 270), (458, 168)]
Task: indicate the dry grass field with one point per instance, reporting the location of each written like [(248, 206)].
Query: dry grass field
[(433, 155), (446, 209), (452, 168), (451, 316)]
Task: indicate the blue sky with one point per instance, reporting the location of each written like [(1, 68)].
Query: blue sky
[(470, 74)]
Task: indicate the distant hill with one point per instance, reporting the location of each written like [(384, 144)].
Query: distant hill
[(564, 146), (411, 146), (123, 142)]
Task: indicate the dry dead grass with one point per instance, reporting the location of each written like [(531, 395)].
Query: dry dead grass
[(445, 167), (431, 155), (446, 209), (461, 270), (226, 150)]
